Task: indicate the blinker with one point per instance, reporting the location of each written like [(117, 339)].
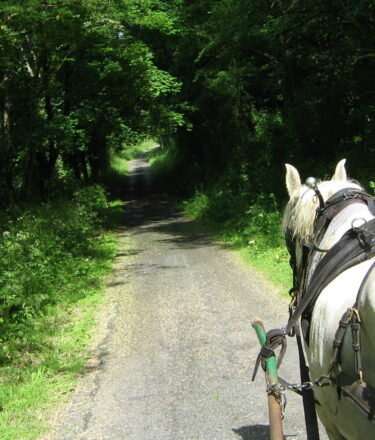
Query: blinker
[(312, 183)]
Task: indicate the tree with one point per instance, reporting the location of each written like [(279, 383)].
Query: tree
[(76, 75)]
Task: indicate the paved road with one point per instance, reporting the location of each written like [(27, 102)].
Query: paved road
[(175, 349)]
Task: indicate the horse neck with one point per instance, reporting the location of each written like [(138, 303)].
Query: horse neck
[(354, 214)]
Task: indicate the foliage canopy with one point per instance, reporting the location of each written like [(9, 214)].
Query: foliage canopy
[(77, 78)]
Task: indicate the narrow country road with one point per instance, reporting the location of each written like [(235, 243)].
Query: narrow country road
[(175, 349)]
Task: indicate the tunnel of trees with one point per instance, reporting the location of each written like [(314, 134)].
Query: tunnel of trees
[(237, 87), (77, 78)]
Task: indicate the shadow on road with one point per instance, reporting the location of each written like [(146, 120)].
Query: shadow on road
[(254, 432), (147, 211), (152, 214)]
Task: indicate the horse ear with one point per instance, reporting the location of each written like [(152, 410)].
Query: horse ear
[(293, 181), (340, 172)]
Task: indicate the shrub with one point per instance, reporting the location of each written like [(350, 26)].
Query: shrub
[(46, 251), (93, 199)]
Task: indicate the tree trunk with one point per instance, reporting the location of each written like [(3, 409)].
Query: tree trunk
[(5, 139)]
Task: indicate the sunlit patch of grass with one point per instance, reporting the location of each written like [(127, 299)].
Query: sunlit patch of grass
[(273, 263), (119, 165), (133, 151), (29, 404), (161, 160), (114, 179)]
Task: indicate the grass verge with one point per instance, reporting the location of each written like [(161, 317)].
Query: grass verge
[(36, 381), (55, 259)]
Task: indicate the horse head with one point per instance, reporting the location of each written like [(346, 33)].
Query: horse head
[(300, 211)]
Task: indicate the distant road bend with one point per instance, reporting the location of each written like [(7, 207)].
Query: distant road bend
[(175, 348)]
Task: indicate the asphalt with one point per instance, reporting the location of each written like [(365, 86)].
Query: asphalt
[(175, 349)]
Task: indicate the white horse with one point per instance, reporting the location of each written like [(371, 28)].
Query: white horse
[(340, 416)]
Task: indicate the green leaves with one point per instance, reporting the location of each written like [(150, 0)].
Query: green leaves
[(73, 74), (44, 252)]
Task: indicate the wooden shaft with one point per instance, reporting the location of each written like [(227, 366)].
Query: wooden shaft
[(274, 409)]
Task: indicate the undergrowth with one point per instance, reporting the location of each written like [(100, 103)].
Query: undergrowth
[(54, 258)]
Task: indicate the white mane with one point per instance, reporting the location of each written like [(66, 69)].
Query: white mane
[(299, 213)]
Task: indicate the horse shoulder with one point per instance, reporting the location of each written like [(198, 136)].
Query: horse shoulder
[(367, 314), (333, 301)]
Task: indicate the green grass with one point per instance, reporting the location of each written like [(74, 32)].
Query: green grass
[(119, 165), (161, 161), (114, 179), (133, 151), (115, 214), (38, 380), (273, 263)]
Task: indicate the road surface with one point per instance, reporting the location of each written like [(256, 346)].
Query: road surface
[(175, 349)]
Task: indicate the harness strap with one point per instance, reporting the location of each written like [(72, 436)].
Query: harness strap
[(311, 421), (349, 251), (356, 345), (264, 354), (363, 396), (339, 337), (274, 338)]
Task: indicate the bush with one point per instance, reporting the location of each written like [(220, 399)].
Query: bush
[(246, 223), (46, 251), (94, 200)]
